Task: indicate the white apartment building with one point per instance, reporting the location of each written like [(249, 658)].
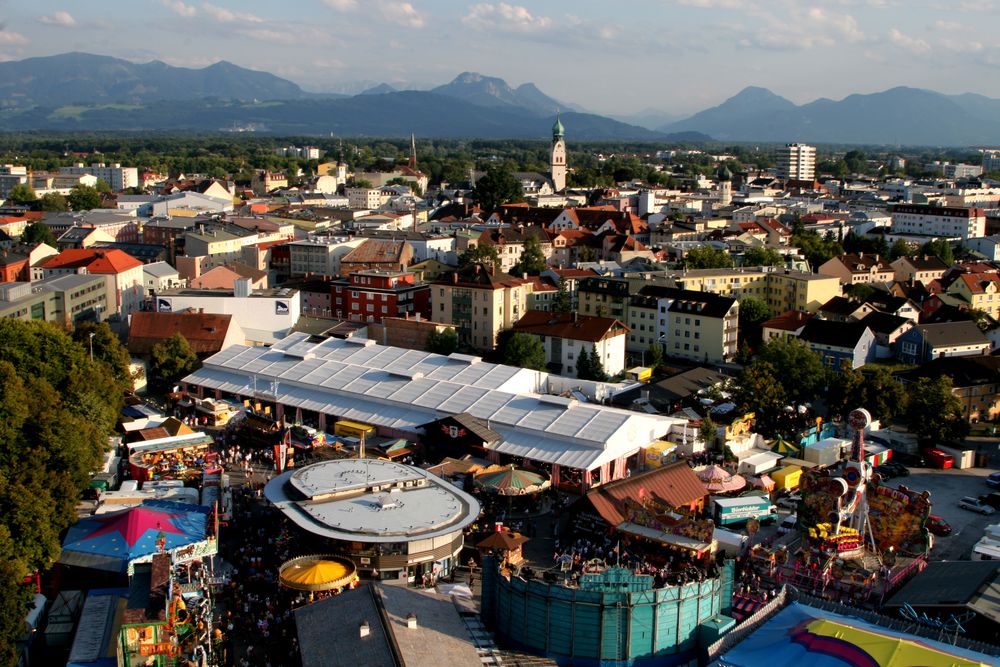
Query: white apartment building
[(367, 198), (320, 255), (944, 221), (797, 162), (115, 175), (991, 161), (11, 176)]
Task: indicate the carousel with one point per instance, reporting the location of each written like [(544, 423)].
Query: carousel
[(318, 574), (857, 540)]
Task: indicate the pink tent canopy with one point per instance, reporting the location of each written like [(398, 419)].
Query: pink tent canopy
[(718, 480)]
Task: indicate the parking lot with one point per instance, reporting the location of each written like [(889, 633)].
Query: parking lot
[(947, 487)]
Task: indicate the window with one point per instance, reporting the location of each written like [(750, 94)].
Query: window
[(677, 320), (384, 310), (687, 346), (697, 334), (371, 308), (440, 306), (687, 320), (677, 346), (354, 295)]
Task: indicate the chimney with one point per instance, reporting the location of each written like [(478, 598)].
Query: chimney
[(454, 277), (411, 621), (365, 629)]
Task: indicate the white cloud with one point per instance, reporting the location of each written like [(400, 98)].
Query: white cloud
[(8, 38), (60, 18), (178, 7), (342, 5), (914, 45), (271, 35), (223, 15), (504, 17), (714, 4), (402, 13)]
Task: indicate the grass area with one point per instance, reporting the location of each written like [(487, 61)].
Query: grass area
[(77, 111), (890, 365)]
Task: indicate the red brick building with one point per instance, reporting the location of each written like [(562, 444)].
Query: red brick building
[(368, 296), (14, 267)]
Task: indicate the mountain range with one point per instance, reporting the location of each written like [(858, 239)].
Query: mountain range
[(80, 91)]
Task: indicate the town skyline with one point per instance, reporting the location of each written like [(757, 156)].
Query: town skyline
[(801, 51)]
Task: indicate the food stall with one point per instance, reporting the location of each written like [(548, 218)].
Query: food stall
[(177, 457)]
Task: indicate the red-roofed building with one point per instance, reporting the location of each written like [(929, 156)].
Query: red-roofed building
[(14, 267), (206, 333), (125, 270), (371, 296), (790, 323), (673, 486), (567, 336)]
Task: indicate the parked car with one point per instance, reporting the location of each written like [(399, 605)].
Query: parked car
[(938, 459), (993, 480), (886, 471), (898, 468), (975, 505), (912, 460), (991, 499), (938, 526), (789, 502)]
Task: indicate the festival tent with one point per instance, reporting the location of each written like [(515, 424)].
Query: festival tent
[(318, 573), (112, 541), (510, 481), (804, 635), (719, 480), (785, 448)]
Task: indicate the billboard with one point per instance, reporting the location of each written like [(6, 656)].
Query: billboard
[(280, 307), (164, 305)]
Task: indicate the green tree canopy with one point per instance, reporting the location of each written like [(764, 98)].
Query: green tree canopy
[(815, 248), (84, 198), (362, 183), (532, 260), (481, 253), (655, 359), (589, 366), (56, 410), (497, 186), (934, 412), (763, 257), (443, 342), (172, 358), (939, 248), (882, 396), (38, 232), (108, 349), (753, 312), (801, 371), (102, 186), (524, 350), (845, 392), (22, 193), (563, 301), (53, 201), (899, 248), (706, 257)]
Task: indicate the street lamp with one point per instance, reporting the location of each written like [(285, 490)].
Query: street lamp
[(91, 336)]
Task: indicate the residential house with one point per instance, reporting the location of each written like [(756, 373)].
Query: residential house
[(891, 304), (218, 246), (570, 278), (843, 309), (976, 382), (858, 268), (980, 290), (787, 325), (781, 289), (14, 267), (509, 243), (566, 337), (923, 269), (926, 342), (373, 295), (479, 302), (543, 293), (159, 276), (887, 329), (125, 271), (82, 237), (603, 297), (938, 221), (377, 254), (225, 277), (690, 325), (839, 343)]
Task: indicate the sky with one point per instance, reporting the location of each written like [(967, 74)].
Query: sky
[(608, 56)]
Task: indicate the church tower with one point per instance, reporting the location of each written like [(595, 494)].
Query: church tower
[(557, 163), (725, 186)]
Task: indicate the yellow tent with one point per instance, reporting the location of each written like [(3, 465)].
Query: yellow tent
[(317, 573)]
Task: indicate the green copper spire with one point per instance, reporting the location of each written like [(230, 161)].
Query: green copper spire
[(557, 130)]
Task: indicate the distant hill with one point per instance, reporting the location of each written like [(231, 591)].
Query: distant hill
[(83, 78), (390, 114), (380, 89), (493, 92), (909, 116)]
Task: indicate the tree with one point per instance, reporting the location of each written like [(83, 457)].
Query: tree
[(760, 390), (763, 257), (532, 260), (481, 253), (706, 257), (362, 183), (108, 349), (753, 312), (934, 412), (172, 358), (53, 201), (589, 366), (655, 356), (56, 412), (845, 392), (84, 198), (563, 301), (938, 248), (443, 342), (586, 254), (882, 395), (802, 373), (38, 232), (498, 186), (816, 249), (708, 431), (860, 291), (22, 193), (524, 350), (899, 248), (102, 186)]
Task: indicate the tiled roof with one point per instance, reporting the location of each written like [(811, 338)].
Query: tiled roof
[(674, 485), (948, 334), (375, 251), (569, 326), (205, 332), (479, 275), (96, 261), (790, 320), (835, 334)]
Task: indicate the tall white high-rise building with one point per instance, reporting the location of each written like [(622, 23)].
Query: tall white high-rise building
[(797, 162)]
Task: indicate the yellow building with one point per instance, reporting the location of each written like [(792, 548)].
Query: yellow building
[(479, 302), (980, 290), (781, 289)]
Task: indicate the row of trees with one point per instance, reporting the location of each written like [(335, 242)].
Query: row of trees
[(80, 198), (57, 408), (785, 374)]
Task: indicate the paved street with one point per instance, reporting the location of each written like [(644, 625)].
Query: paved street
[(947, 487)]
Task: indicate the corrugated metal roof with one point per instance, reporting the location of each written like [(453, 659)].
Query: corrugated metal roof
[(674, 485)]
